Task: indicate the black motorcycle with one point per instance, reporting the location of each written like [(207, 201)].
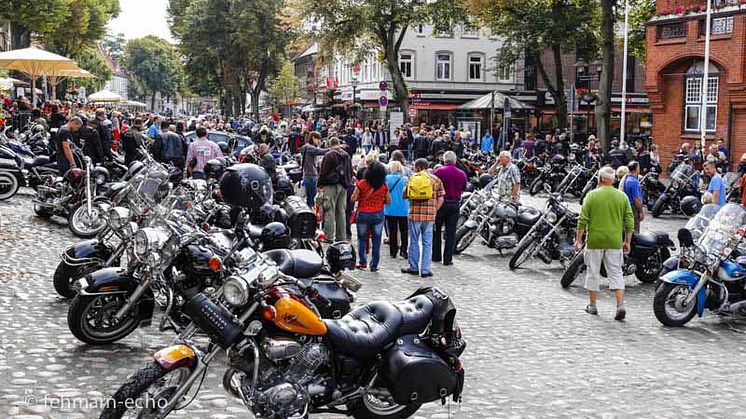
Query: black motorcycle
[(647, 254), (500, 225), (552, 174), (680, 187), (652, 188)]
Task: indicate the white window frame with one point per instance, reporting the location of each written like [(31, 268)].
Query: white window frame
[(693, 102), (438, 34), (446, 65), (410, 61), (721, 25), (469, 57), (501, 72), (466, 33)]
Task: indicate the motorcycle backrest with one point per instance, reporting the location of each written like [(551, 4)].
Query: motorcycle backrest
[(685, 238)]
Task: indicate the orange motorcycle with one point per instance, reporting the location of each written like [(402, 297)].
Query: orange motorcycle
[(381, 360)]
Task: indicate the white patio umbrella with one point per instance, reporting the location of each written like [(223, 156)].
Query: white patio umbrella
[(59, 76), (104, 96), (35, 62)]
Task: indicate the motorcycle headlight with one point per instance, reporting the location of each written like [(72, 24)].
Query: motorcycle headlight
[(236, 291), (129, 230), (100, 179), (118, 217), (551, 217), (148, 240)]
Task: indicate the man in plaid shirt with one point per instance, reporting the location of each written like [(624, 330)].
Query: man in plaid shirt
[(421, 221)]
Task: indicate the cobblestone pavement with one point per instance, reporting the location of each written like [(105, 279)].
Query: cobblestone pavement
[(532, 351)]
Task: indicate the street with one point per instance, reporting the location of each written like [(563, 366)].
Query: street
[(532, 351)]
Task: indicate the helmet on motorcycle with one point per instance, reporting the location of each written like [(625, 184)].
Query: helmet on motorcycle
[(282, 189), (37, 129), (275, 236), (135, 167), (224, 148), (484, 179), (247, 186), (74, 176), (558, 159), (214, 168), (690, 206), (340, 256)]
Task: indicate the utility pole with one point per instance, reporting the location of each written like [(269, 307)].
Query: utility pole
[(624, 73)]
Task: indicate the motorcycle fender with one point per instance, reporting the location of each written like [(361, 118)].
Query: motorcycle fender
[(664, 197), (671, 263), (684, 276), (177, 356), (108, 281), (87, 251), (470, 224)]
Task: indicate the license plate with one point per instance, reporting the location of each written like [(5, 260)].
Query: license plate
[(81, 284)]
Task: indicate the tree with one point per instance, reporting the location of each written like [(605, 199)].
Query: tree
[(355, 28), (114, 45), (90, 59), (38, 16), (603, 100), (531, 27), (153, 66), (640, 12), (284, 87)]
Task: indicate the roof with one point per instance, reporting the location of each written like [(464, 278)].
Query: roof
[(313, 49)]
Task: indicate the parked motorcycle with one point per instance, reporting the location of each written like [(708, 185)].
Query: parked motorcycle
[(552, 174), (381, 360), (530, 169), (552, 236), (680, 187), (647, 254), (652, 188), (577, 179), (715, 278)]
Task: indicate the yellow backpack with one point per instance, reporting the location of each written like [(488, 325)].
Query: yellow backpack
[(420, 187)]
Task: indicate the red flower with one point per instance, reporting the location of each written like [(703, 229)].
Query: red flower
[(679, 10), (702, 7)]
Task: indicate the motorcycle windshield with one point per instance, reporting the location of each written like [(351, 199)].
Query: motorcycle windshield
[(699, 222), (681, 173), (724, 232)]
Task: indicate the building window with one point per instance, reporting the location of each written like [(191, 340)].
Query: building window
[(419, 30), (672, 30), (406, 64), (468, 30), (505, 73), (476, 66), (721, 25), (693, 96), (443, 66), (443, 31)]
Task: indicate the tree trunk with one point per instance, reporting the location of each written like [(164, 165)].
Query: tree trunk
[(391, 47), (603, 103), (20, 36), (255, 101), (152, 102), (557, 90)]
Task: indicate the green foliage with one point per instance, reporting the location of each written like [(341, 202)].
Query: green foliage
[(153, 66), (640, 11), (84, 24), (284, 87), (114, 45), (38, 16), (91, 59)]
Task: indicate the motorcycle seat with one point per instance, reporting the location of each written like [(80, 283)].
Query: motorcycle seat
[(416, 314), (645, 239), (364, 331), (39, 161), (300, 263)]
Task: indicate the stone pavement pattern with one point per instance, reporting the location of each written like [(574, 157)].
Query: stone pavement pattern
[(532, 351)]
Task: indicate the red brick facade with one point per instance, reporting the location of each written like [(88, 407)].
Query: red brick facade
[(674, 43)]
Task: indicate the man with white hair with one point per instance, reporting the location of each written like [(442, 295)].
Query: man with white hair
[(454, 181), (607, 218), (509, 185)]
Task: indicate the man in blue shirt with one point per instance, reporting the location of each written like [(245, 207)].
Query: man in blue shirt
[(634, 193), (155, 128), (717, 186), (487, 142)]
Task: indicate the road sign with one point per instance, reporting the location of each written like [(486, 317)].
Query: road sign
[(507, 111), (356, 69), (412, 113), (382, 86), (383, 101)]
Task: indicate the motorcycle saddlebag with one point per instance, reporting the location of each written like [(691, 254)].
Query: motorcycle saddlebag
[(339, 298), (414, 373), (301, 219)]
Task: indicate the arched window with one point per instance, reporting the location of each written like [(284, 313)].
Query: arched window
[(693, 97)]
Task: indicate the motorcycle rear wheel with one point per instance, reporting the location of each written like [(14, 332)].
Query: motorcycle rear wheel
[(370, 407), (85, 225), (650, 275), (576, 268), (149, 385), (90, 318), (464, 238), (658, 208), (42, 212), (8, 186), (666, 294)]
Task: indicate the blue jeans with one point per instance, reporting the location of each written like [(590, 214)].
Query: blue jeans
[(423, 230), (372, 221), (198, 175), (309, 184), (367, 149)]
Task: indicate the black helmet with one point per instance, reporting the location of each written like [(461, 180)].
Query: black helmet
[(214, 169), (484, 179), (224, 148), (690, 206), (247, 186), (282, 189), (383, 158), (340, 256), (275, 236)]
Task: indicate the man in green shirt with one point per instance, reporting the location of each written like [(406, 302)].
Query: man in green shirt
[(607, 217)]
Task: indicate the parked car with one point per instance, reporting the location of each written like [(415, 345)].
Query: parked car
[(223, 137)]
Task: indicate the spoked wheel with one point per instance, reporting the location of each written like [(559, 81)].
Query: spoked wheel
[(536, 186), (524, 251), (8, 185), (92, 318), (85, 224), (145, 392), (462, 219), (380, 406), (648, 271), (577, 267), (670, 306), (464, 237)]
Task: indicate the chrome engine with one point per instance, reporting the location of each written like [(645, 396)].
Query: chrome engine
[(287, 378)]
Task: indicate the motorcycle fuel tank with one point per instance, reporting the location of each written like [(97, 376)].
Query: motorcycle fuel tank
[(293, 316)]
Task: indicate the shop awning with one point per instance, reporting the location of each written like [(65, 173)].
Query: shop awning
[(632, 109), (434, 106), (485, 102)]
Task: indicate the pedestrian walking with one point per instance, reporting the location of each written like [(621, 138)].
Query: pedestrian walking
[(371, 195), (396, 211), (425, 193), (308, 153), (607, 218), (199, 152), (334, 178), (454, 182), (634, 193), (367, 140), (716, 186)]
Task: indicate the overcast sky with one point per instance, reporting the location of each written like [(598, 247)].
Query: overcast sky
[(139, 18)]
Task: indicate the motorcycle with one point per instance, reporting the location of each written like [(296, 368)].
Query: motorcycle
[(652, 188), (530, 169), (552, 174), (680, 187), (577, 179), (551, 237), (715, 278), (381, 360), (647, 254)]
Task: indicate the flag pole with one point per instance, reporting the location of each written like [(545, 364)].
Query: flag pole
[(705, 78), (623, 128)]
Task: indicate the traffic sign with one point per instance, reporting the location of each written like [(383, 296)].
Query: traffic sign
[(356, 69), (382, 86), (383, 101)]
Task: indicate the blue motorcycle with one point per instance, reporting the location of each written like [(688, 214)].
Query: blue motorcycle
[(714, 277)]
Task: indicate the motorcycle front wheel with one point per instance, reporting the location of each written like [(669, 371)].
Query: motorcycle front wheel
[(91, 318), (84, 224), (669, 307), (573, 272), (144, 393), (65, 276), (658, 208), (524, 251), (374, 407), (536, 186), (464, 238), (8, 185)]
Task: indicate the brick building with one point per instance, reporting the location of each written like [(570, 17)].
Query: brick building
[(674, 73)]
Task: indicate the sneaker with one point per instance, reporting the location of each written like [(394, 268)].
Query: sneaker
[(407, 271), (591, 310), (621, 313), (427, 275)]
